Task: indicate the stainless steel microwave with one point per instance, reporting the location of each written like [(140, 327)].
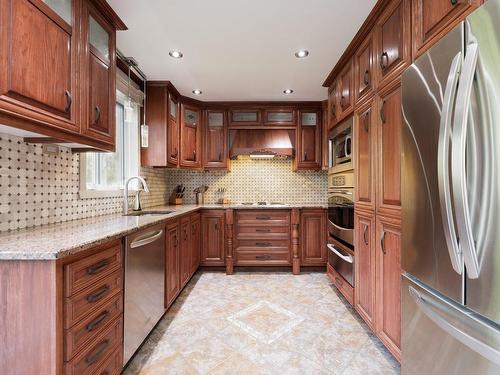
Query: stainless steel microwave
[(340, 147)]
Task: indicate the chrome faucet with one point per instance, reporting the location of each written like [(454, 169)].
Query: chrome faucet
[(137, 202)]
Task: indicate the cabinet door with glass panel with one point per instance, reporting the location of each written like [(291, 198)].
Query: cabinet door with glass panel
[(38, 84), (215, 140), (309, 140), (279, 117), (98, 76), (190, 137), (173, 131)]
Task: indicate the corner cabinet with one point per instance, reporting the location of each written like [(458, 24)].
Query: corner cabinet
[(66, 91), (308, 154), (215, 150), (190, 140), (212, 238), (99, 74)]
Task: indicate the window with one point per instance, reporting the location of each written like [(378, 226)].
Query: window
[(105, 173)]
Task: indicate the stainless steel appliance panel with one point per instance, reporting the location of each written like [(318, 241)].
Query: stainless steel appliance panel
[(442, 337), (144, 286), (478, 213), (342, 261), (341, 215), (426, 91)]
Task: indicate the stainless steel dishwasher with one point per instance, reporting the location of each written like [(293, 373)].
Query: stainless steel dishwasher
[(144, 285)]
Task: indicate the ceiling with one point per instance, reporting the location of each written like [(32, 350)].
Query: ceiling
[(240, 49)]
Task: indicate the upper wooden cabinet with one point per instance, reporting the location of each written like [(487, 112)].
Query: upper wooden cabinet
[(57, 75), (39, 60), (99, 60), (393, 40), (173, 130), (279, 117), (308, 152), (245, 117), (345, 95), (389, 150), (212, 238), (365, 130), (363, 70), (190, 142), (215, 148), (333, 105), (432, 19), (313, 237)]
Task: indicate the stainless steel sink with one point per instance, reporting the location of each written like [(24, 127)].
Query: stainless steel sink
[(145, 213)]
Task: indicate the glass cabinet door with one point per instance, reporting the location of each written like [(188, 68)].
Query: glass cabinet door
[(190, 117), (99, 37), (63, 8), (280, 116)]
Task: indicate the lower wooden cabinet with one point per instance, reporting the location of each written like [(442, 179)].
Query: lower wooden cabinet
[(388, 288), (364, 295), (172, 266), (185, 251), (195, 242), (212, 238), (313, 237)]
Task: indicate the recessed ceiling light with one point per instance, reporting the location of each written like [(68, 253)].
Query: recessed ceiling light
[(288, 91), (197, 92), (176, 54), (302, 53)]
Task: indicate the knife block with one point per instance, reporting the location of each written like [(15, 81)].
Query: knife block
[(174, 200)]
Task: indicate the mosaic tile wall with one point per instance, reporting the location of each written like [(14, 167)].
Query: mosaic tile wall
[(38, 188), (255, 180)]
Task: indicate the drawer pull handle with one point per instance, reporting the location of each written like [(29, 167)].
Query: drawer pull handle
[(263, 257), (97, 321), (98, 267), (384, 60), (98, 295), (69, 101), (364, 235), (366, 77), (94, 356), (263, 217), (263, 244), (267, 230), (97, 114)]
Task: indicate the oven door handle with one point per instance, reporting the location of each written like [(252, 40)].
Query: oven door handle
[(339, 227), (348, 258)]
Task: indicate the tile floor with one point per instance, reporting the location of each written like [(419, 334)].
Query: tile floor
[(261, 323)]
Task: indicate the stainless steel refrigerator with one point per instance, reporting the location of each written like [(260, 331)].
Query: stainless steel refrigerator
[(451, 202)]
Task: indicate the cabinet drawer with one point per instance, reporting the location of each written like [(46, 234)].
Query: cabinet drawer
[(259, 244), (92, 298), (87, 329), (86, 271), (252, 258), (254, 231), (113, 364), (93, 359), (342, 285), (263, 217)]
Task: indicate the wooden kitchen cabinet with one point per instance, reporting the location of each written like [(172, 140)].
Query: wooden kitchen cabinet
[(173, 130), (389, 150), (324, 135), (365, 129), (99, 60), (346, 91), (432, 19), (280, 117), (216, 140), (363, 70), (63, 85), (333, 104), (190, 140), (195, 245), (388, 292), (313, 250), (393, 41), (308, 155), (172, 268), (365, 266), (212, 238), (185, 251), (40, 82), (241, 117)]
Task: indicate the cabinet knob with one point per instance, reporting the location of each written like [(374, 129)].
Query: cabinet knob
[(69, 101), (384, 60)]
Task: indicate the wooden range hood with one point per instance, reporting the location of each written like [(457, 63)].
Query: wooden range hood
[(260, 142)]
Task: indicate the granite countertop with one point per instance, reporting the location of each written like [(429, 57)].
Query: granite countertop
[(55, 241)]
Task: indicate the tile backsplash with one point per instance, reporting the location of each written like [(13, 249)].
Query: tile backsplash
[(38, 188), (255, 180)]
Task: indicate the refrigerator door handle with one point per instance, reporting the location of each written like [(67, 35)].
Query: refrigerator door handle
[(444, 165), (458, 161), (473, 329)]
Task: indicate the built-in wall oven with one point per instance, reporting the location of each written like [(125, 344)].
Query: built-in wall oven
[(341, 207)]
